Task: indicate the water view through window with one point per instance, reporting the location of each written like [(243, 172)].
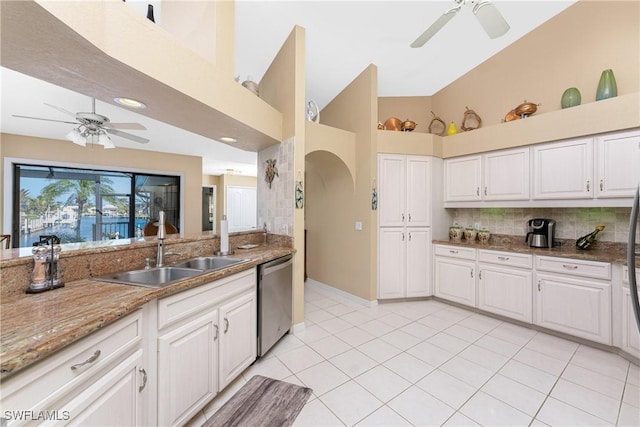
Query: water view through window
[(81, 205)]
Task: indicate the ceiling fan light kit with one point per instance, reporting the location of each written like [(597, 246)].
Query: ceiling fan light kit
[(487, 14)]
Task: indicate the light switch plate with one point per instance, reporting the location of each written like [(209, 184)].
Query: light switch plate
[(359, 225)]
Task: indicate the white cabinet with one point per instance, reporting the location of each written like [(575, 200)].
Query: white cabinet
[(563, 170), (100, 380), (506, 175), (629, 334), (403, 193), (505, 284), (576, 303), (404, 262), (618, 164), (462, 179), (207, 336), (454, 272)]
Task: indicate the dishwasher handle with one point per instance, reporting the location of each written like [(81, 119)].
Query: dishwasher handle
[(277, 264)]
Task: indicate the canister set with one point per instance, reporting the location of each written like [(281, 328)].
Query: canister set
[(457, 233)]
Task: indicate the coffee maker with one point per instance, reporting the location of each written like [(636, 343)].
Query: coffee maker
[(540, 233)]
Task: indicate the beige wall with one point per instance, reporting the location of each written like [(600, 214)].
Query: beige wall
[(570, 50), (416, 108), (45, 150), (339, 255)]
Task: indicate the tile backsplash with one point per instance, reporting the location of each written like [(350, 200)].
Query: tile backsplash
[(571, 223)]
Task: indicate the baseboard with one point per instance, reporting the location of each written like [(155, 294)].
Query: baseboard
[(297, 328), (330, 290)]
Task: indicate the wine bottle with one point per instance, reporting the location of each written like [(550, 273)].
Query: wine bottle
[(585, 241)]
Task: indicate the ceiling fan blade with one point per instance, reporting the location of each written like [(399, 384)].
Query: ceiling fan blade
[(435, 27), (130, 126), (127, 136), (491, 19), (62, 110), (48, 120)]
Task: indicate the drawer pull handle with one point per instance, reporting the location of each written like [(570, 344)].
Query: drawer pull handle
[(538, 285), (215, 337), (485, 191), (480, 275), (402, 217), (503, 258), (570, 267), (477, 191), (409, 217), (144, 379), (472, 273), (453, 252), (226, 325), (588, 186), (403, 237), (409, 236), (601, 185), (89, 360)]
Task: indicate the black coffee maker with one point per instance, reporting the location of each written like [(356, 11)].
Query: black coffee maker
[(540, 233)]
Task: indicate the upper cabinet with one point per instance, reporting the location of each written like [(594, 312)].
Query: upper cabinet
[(563, 170), (613, 152), (462, 179)]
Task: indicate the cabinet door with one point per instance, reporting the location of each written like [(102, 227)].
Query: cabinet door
[(418, 262), (391, 190), (113, 399), (563, 170), (238, 337), (462, 177), (506, 291), (187, 368), (506, 175), (391, 260), (630, 334), (576, 306), (618, 164), (455, 280), (418, 191)]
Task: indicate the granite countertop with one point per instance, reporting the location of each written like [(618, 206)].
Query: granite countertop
[(611, 252), (62, 316)]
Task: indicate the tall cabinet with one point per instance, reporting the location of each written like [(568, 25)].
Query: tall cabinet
[(404, 219)]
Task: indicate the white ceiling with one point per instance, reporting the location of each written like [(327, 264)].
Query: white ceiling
[(342, 39)]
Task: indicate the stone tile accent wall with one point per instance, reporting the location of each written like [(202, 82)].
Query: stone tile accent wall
[(572, 223), (276, 204)]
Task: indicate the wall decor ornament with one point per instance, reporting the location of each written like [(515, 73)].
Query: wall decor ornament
[(437, 125), (607, 87), (271, 172), (299, 192), (374, 197), (471, 120), (452, 129), (313, 112), (571, 98)]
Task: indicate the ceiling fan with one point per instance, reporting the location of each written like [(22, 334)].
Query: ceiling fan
[(94, 127), (488, 15)]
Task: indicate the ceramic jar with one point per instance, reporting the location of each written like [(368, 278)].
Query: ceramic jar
[(483, 236), (455, 233), (570, 98), (470, 234)]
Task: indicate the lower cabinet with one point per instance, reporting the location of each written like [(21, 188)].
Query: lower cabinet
[(237, 337), (505, 291), (405, 262), (455, 280), (630, 333), (574, 305)]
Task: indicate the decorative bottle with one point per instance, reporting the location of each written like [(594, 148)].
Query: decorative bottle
[(585, 241), (607, 87)]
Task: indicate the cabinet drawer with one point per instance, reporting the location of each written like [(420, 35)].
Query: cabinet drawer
[(594, 269), (625, 275), (455, 252), (73, 369), (511, 259), (183, 305)]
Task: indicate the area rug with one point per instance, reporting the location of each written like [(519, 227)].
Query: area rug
[(262, 402)]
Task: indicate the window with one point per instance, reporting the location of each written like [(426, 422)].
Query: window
[(81, 205)]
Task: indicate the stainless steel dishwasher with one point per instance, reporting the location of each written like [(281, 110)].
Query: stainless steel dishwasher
[(275, 283)]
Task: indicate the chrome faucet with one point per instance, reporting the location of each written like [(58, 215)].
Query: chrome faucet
[(162, 233)]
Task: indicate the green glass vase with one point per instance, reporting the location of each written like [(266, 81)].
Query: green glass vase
[(570, 98), (607, 87)]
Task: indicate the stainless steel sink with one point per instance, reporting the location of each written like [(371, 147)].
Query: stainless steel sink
[(151, 278), (208, 263)]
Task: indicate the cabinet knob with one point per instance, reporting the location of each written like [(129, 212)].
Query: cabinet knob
[(472, 273), (144, 379), (92, 359), (215, 337), (226, 325)]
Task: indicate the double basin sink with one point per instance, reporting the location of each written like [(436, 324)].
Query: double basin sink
[(162, 276)]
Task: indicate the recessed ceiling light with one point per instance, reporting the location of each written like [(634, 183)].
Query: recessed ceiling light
[(131, 103), (228, 139)]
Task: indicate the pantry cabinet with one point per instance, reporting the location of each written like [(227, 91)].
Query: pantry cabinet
[(454, 272), (618, 164)]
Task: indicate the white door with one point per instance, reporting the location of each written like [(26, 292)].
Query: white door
[(391, 190), (506, 291), (187, 368), (462, 177), (238, 337), (418, 262), (618, 164), (455, 280), (391, 262), (418, 192), (506, 175), (241, 208), (563, 170), (578, 307)]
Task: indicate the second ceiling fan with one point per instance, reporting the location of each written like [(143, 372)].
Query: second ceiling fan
[(488, 15)]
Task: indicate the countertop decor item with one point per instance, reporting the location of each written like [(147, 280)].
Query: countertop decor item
[(470, 233), (313, 112), (570, 98), (607, 87), (471, 120), (437, 126), (393, 123), (271, 172), (585, 241), (408, 125), (455, 233), (452, 129), (484, 236)]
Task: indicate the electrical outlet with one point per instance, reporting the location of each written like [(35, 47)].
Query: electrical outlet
[(359, 225)]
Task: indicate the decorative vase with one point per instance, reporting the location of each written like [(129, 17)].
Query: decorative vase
[(570, 98), (607, 87)]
